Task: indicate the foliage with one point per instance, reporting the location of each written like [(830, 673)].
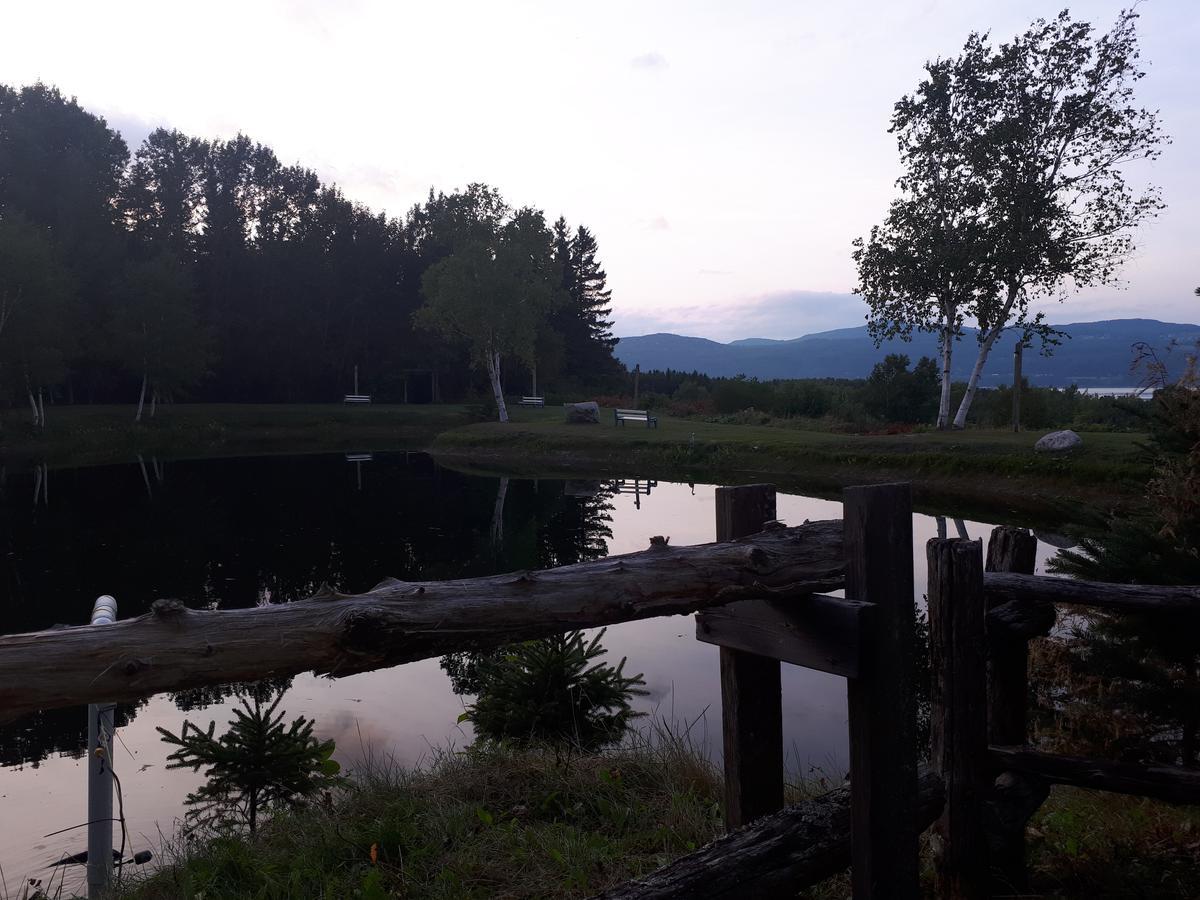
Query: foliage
[(291, 284), (894, 394), (552, 690), (1014, 180), (1152, 663), (257, 766)]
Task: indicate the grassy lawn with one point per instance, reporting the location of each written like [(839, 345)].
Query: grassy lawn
[(85, 435), (974, 466), (989, 471)]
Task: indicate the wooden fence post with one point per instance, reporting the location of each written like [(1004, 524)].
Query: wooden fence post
[(959, 715), (751, 702), (1017, 796), (878, 544)]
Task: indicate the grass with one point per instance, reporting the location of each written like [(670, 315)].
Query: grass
[(507, 823), (91, 435), (975, 469), (982, 467)]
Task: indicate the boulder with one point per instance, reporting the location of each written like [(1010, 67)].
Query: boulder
[(1058, 442), (583, 413)]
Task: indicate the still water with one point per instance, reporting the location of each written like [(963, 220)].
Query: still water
[(221, 534)]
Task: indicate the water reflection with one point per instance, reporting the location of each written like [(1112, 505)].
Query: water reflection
[(234, 533)]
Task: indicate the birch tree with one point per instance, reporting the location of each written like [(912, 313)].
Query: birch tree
[(36, 312), (926, 266), (1058, 125), (155, 331), (492, 292)]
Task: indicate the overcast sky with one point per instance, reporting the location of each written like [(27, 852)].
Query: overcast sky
[(725, 154)]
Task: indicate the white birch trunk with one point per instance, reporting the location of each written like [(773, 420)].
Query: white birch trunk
[(960, 418), (33, 406), (153, 402), (141, 397), (493, 367), (943, 418)]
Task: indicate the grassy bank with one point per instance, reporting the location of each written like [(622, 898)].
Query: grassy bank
[(976, 469), (508, 823), (985, 469), (90, 435)]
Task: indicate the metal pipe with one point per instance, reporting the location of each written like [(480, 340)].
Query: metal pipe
[(100, 780)]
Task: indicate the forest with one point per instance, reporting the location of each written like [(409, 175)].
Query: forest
[(210, 270)]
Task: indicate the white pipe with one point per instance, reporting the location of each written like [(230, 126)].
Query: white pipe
[(100, 780)]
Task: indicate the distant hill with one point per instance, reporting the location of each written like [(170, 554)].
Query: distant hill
[(1096, 354)]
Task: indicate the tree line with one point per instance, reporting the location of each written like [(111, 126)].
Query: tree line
[(210, 269)]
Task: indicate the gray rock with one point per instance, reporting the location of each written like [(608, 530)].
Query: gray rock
[(1058, 442), (582, 413)]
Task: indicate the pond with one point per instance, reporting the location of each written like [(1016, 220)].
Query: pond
[(232, 533)]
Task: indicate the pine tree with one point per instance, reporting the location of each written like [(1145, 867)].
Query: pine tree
[(583, 319), (258, 764)]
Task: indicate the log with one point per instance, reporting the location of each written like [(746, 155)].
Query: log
[(777, 856), (751, 688), (881, 702), (172, 647), (1171, 783), (959, 719), (1003, 587)]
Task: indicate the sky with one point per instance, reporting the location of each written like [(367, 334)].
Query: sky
[(724, 154)]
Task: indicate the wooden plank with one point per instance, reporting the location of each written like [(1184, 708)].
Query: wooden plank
[(173, 648), (958, 717), (776, 856), (815, 631), (751, 701), (878, 543), (1171, 783), (1012, 549), (1003, 587)]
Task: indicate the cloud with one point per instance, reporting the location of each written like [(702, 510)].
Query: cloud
[(649, 61), (780, 315), (658, 223)]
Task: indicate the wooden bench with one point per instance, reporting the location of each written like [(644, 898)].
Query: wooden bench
[(621, 416), (357, 398), (533, 401)]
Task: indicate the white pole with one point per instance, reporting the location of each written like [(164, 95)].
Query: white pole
[(100, 781)]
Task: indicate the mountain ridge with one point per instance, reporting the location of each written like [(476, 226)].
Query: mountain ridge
[(1093, 354)]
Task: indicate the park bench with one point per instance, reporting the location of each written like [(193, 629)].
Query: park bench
[(357, 398), (533, 401), (621, 416)]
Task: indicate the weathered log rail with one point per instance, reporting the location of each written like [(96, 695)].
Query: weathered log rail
[(172, 647), (992, 777)]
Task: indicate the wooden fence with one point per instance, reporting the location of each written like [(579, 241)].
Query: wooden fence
[(760, 593)]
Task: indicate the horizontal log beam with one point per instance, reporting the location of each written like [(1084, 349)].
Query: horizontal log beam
[(172, 647), (775, 856), (1005, 587), (810, 630), (1171, 783)]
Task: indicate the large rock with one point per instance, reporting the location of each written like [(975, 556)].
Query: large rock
[(583, 413), (1058, 442)]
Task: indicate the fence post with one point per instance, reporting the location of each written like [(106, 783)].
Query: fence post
[(100, 781), (1010, 549), (751, 702), (959, 715), (878, 545)]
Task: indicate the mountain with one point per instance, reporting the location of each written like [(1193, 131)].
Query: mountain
[(1093, 354)]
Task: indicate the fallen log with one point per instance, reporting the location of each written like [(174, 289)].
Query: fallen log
[(173, 647), (775, 856)]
